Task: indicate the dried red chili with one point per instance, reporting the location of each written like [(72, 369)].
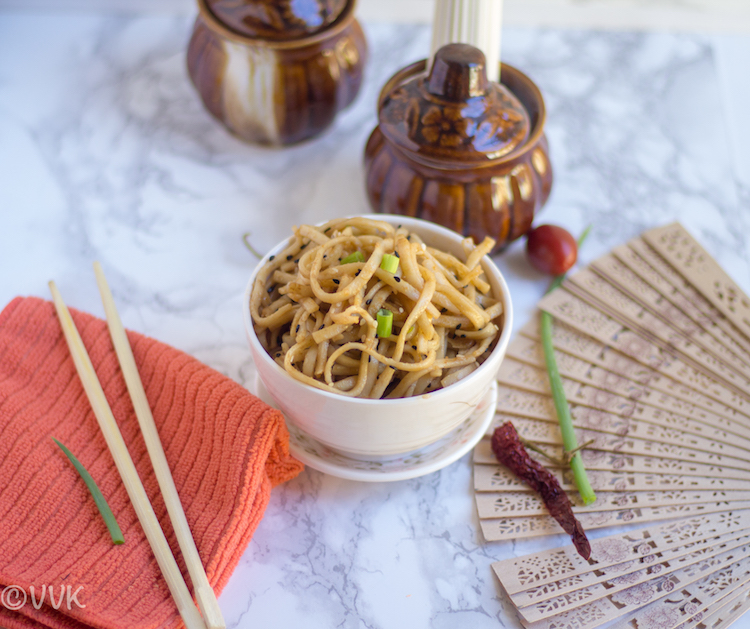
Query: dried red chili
[(510, 452)]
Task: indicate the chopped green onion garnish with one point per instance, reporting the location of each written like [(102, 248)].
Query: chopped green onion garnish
[(389, 263), (385, 323), (109, 518), (357, 256)]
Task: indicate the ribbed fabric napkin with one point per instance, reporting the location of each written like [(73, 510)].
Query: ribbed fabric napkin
[(226, 450)]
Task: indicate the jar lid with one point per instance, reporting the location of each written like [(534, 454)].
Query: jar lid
[(277, 19), (454, 112)]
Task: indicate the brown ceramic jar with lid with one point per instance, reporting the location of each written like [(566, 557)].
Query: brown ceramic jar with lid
[(453, 148), (276, 71)]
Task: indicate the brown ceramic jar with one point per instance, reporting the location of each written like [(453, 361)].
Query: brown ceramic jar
[(276, 86), (455, 149)]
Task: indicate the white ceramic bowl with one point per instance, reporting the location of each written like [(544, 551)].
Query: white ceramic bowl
[(382, 428)]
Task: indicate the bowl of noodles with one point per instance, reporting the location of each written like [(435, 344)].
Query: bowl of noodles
[(377, 335)]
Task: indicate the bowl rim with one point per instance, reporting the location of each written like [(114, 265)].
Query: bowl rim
[(500, 346)]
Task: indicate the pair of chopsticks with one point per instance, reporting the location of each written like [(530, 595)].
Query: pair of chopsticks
[(204, 594)]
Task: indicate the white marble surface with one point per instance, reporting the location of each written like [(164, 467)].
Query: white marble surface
[(723, 16), (106, 153)]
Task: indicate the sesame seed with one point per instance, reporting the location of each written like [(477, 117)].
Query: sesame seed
[(395, 277), (271, 258), (289, 257), (270, 289), (458, 327), (335, 281)]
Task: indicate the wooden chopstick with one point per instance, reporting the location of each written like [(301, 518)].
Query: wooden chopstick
[(116, 444), (204, 593)]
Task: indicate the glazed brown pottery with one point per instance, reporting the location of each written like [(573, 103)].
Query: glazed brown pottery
[(458, 150), (283, 87), (276, 19)]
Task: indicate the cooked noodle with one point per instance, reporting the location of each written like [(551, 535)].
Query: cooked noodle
[(317, 316)]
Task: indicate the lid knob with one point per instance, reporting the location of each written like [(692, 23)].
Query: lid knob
[(458, 73)]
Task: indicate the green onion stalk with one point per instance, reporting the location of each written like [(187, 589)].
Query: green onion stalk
[(570, 443), (109, 519)]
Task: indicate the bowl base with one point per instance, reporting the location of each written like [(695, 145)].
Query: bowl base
[(389, 468), (260, 391)]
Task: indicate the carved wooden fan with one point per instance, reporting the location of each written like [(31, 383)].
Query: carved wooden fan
[(653, 344)]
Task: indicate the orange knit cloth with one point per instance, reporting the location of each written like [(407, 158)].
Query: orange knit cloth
[(226, 450)]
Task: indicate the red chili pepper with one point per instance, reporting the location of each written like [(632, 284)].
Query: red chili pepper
[(510, 452)]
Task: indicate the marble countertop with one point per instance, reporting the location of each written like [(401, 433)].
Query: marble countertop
[(725, 16), (106, 154)]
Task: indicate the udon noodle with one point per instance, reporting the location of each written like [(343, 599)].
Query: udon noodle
[(315, 310)]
